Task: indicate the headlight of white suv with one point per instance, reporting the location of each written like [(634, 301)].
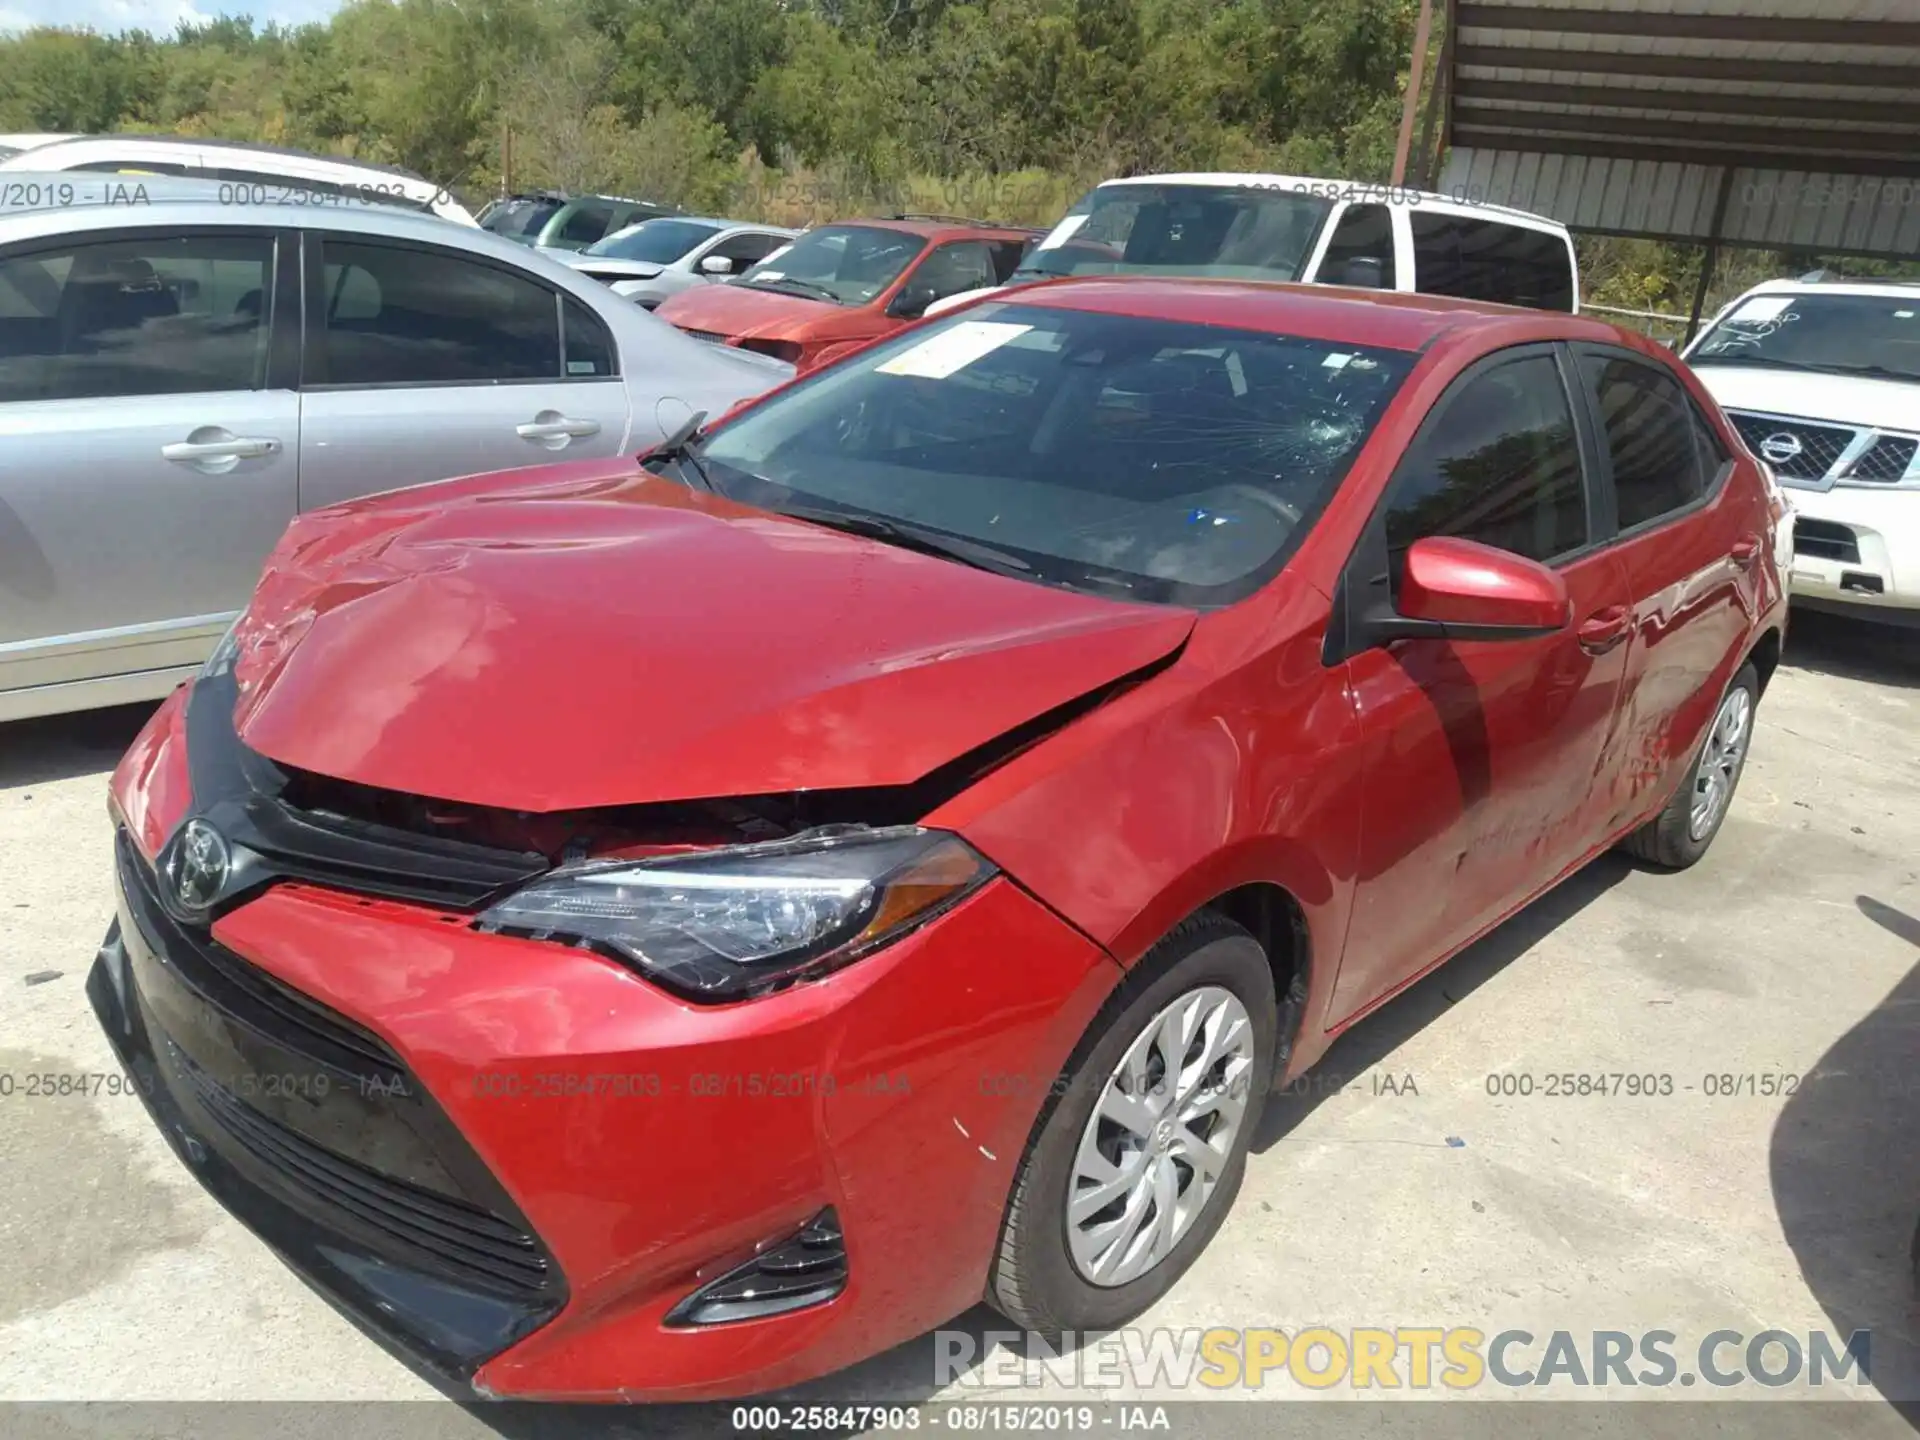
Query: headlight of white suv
[(742, 920)]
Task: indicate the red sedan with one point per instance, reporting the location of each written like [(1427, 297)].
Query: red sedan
[(839, 286), (669, 929)]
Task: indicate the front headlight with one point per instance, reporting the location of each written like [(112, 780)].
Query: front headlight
[(745, 919)]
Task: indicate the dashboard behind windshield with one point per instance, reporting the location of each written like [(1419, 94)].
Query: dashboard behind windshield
[(1142, 458), (1871, 335), (1231, 232)]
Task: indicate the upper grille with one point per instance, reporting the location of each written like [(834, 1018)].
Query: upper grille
[(245, 794), (713, 337), (1886, 460), (1821, 446), (1825, 540), (432, 1231)]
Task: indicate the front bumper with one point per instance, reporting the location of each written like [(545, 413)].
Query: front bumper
[(525, 1156), (1856, 547)]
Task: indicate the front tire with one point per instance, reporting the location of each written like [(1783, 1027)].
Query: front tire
[(1680, 834), (1137, 1160)]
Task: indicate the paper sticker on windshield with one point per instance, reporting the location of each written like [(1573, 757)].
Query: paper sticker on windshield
[(1759, 312), (1062, 232), (941, 355), (771, 275)]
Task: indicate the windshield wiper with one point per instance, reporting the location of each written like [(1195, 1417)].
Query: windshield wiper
[(682, 447), (794, 287), (909, 536)]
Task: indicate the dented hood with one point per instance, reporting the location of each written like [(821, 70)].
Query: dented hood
[(589, 634)]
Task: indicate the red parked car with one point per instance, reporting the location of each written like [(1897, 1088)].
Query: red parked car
[(839, 286), (669, 929)]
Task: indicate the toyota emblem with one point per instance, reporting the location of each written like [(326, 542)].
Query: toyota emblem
[(1781, 447), (198, 867)]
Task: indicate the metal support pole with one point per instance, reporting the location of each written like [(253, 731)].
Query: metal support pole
[(1418, 74), (1711, 259)]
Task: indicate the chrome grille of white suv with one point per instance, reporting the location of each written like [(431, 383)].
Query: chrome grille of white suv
[(1812, 453)]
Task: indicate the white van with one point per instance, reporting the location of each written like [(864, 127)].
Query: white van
[(1287, 227), (259, 174)]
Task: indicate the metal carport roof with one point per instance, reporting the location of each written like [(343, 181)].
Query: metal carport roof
[(1788, 124)]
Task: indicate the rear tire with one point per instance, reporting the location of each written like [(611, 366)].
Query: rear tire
[(1680, 834), (1208, 987)]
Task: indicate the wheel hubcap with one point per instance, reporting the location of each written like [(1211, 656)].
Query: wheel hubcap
[(1154, 1149), (1720, 761)]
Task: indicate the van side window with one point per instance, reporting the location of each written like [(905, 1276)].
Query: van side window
[(1475, 259), (1361, 251)]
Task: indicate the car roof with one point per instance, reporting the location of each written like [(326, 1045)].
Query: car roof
[(938, 227), (1885, 288), (91, 200), (195, 142), (1381, 319), (1337, 189)]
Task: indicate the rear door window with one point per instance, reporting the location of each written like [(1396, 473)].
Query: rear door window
[(397, 315), (1659, 460), (1476, 259)]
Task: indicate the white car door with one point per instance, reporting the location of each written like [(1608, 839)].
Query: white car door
[(149, 436), (424, 362)]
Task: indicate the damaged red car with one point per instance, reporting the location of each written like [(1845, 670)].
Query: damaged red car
[(667, 929)]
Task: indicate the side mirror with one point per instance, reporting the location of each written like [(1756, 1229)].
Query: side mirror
[(912, 302), (1366, 272), (1462, 590), (716, 265)]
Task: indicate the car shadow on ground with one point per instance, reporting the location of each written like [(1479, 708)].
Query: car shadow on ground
[(1853, 649), (1845, 1165), (59, 747)]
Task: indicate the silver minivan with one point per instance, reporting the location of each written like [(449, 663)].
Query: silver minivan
[(182, 373)]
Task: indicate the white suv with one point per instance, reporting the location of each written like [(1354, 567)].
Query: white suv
[(1821, 377), (1290, 227)]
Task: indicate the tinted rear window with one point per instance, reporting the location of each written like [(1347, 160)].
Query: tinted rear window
[(1475, 259)]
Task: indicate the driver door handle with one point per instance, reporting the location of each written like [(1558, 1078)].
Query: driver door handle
[(549, 426), (187, 452), (1605, 629)]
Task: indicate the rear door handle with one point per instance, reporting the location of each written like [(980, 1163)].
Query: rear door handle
[(1745, 552), (1604, 629), (553, 430)]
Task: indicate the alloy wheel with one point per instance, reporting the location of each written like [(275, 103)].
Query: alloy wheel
[(1720, 758), (1157, 1143)]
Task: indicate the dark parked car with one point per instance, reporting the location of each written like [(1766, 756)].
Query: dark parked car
[(554, 220)]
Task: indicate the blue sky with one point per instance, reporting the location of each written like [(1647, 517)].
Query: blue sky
[(159, 16)]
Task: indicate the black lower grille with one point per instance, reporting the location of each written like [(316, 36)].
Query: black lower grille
[(1886, 461), (1825, 541), (432, 1231), (1819, 446), (315, 1132)]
